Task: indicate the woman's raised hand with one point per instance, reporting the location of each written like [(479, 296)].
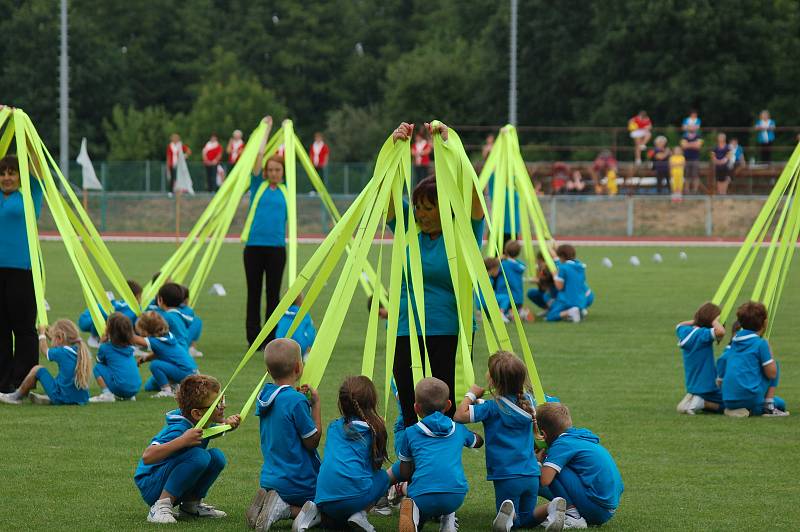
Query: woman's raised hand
[(440, 128), (403, 132), (267, 120)]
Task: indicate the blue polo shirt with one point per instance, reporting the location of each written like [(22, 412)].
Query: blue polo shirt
[(269, 221), (743, 376), (168, 349), (67, 359), (347, 469), (305, 332), (573, 273), (14, 252), (177, 324), (697, 346), (514, 270), (121, 362), (86, 324)]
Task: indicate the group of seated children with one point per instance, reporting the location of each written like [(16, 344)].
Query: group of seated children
[(509, 269), (565, 295), (574, 471), (744, 378), (162, 332)]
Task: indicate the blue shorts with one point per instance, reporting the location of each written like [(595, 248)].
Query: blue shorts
[(189, 473), (523, 492), (568, 485), (540, 298), (432, 505), (54, 392), (554, 314), (120, 389), (340, 510)]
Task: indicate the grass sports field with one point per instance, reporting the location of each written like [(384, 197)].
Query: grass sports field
[(620, 373)]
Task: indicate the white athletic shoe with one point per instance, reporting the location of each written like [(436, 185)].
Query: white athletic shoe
[(251, 514), (161, 512), (308, 517), (556, 510), (409, 516), (737, 412), (584, 312), (9, 399), (505, 517), (382, 507), (104, 397), (194, 352), (359, 521), (695, 404), (574, 314), (396, 493), (201, 509), (274, 510), (681, 408), (573, 519), (448, 523), (93, 342), (774, 413), (39, 398), (164, 393)]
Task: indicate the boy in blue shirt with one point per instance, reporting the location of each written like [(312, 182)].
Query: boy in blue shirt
[(570, 281), (432, 450), (177, 467), (169, 300), (290, 430), (86, 324), (513, 270), (170, 361), (696, 339), (577, 468), (305, 332), (193, 323), (750, 373)]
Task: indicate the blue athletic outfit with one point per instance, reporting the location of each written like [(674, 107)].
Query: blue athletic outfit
[(513, 270), (269, 221), (86, 324), (697, 346), (587, 476), (117, 366), (510, 458), (193, 323), (62, 390), (285, 421), (177, 324), (303, 335), (438, 485), (14, 236), (347, 482), (744, 384), (573, 274), (188, 472), (172, 364)]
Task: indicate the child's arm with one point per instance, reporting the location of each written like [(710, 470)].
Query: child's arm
[(548, 474), (145, 358), (478, 441), (719, 330), (140, 341), (261, 147), (43, 340), (157, 452), (312, 442), (462, 412)]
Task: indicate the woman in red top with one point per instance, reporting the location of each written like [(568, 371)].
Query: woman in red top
[(421, 153), (641, 130), (212, 155)]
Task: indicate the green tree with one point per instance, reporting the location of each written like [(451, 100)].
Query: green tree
[(136, 135), (356, 133)]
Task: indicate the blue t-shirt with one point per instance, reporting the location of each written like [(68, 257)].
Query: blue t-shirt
[(434, 446), (767, 135), (121, 362), (513, 270), (305, 332), (573, 273), (269, 221), (177, 324), (722, 361), (509, 438), (14, 252), (697, 346), (285, 421), (743, 376), (689, 121), (581, 452), (168, 349), (86, 324), (346, 471), (67, 393), (441, 314)]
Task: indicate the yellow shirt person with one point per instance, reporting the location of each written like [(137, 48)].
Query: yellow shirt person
[(677, 165)]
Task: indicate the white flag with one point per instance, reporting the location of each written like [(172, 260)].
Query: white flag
[(90, 181), (183, 181)]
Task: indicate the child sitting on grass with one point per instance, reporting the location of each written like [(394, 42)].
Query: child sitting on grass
[(304, 334), (169, 300), (576, 468), (514, 270), (86, 324), (116, 371), (351, 479), (71, 385), (545, 292), (177, 467), (509, 425), (570, 281), (696, 340), (169, 360), (290, 432), (432, 449), (750, 374)]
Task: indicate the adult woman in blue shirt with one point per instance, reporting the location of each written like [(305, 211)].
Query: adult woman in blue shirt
[(441, 313), (18, 338), (265, 251)]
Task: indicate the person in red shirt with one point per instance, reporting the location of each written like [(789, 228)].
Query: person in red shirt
[(641, 130), (212, 155), (421, 153), (235, 147), (173, 148), (319, 153)]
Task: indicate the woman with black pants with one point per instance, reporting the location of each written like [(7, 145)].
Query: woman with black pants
[(441, 313), (265, 234), (19, 346)]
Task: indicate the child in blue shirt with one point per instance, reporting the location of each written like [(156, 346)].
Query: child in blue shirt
[(86, 324), (116, 370), (290, 430), (170, 361), (71, 385), (177, 467), (351, 479), (545, 292), (696, 339), (193, 323), (432, 449), (750, 373), (576, 468), (570, 281), (169, 300), (513, 269), (305, 332)]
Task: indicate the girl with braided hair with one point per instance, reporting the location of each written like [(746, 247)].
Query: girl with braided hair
[(351, 479)]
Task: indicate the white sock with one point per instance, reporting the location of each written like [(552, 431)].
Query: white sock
[(16, 394), (105, 390), (573, 513), (166, 388)]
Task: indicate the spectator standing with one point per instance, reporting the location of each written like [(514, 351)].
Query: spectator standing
[(487, 146), (235, 147), (661, 155), (174, 147), (691, 124), (677, 168), (421, 153), (691, 143), (319, 153), (765, 135), (641, 131), (212, 155), (720, 156)]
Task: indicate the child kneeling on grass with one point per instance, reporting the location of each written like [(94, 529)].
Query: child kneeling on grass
[(170, 361), (351, 479), (696, 339), (116, 371), (432, 448), (71, 385), (290, 431), (177, 467), (570, 281), (750, 373), (576, 468)]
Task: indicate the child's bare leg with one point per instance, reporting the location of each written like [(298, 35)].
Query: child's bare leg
[(102, 383), (29, 382), (167, 495), (713, 407), (540, 512), (295, 510), (770, 393)]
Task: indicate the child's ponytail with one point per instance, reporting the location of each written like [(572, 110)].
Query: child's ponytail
[(83, 367)]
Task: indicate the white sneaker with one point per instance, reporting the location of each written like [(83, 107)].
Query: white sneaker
[(164, 393), (409, 516), (695, 404), (774, 413), (251, 514), (308, 517), (39, 398), (574, 314), (9, 399), (737, 412), (448, 523), (681, 408), (194, 352), (104, 397), (584, 312), (93, 342), (359, 521), (573, 519), (274, 510), (161, 512), (555, 514), (382, 507), (505, 517), (201, 509)]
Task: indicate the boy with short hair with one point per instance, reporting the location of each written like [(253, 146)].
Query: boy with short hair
[(304, 334), (169, 300), (513, 269), (291, 429), (86, 324), (577, 468), (750, 373), (432, 449), (177, 467), (570, 281)]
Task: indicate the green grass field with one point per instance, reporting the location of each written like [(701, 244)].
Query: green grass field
[(619, 371)]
